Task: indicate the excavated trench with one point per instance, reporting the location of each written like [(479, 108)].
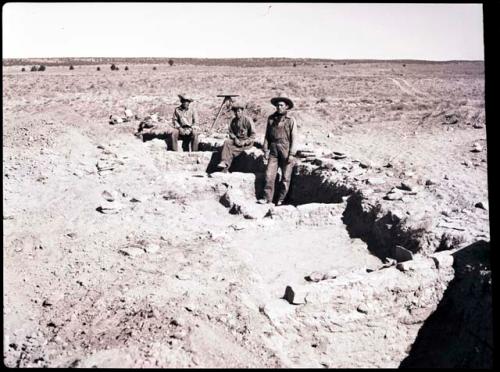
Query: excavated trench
[(466, 299), (459, 334)]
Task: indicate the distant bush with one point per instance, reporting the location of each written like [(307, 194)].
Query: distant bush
[(404, 64), (113, 67), (117, 68), (294, 64), (34, 68), (326, 66), (126, 68), (154, 68), (41, 68), (71, 67), (23, 69), (170, 62), (98, 69)]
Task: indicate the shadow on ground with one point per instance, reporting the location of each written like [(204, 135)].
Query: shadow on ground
[(459, 334)]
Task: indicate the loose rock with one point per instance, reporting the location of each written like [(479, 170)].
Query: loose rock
[(405, 186), (442, 259), (109, 209), (152, 248), (413, 265), (295, 296), (183, 276), (108, 196), (375, 181), (477, 148), (394, 194), (315, 277), (363, 308), (401, 254), (482, 205), (132, 251)]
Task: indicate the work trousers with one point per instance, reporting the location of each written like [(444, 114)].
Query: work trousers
[(230, 151), (187, 140), (286, 175)]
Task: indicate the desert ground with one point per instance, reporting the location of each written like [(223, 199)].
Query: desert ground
[(119, 253)]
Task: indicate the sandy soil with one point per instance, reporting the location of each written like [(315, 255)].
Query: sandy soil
[(164, 276)]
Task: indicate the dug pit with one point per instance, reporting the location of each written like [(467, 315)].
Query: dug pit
[(338, 261), (193, 272)]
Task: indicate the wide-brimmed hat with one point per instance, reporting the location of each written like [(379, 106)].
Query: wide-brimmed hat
[(184, 97), (288, 101)]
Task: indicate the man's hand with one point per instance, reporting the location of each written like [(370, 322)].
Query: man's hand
[(185, 131), (291, 158), (237, 142), (266, 157)]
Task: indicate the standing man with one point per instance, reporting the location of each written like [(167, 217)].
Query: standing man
[(279, 149), (183, 120), (241, 137)]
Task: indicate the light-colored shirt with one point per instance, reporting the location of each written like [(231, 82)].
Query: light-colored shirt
[(184, 118), (242, 128)]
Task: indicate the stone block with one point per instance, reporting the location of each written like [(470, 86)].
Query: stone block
[(442, 260), (401, 254), (296, 295)]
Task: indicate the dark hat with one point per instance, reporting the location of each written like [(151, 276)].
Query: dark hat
[(183, 97), (288, 101)]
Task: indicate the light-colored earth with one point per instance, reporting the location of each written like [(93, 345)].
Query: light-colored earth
[(167, 277)]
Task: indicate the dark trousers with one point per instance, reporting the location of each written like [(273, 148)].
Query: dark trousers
[(286, 175), (230, 151), (187, 140)]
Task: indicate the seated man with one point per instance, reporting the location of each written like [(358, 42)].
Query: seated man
[(183, 120), (241, 137)]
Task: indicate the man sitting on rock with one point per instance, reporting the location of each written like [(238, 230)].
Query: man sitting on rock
[(279, 148), (183, 121), (241, 137)]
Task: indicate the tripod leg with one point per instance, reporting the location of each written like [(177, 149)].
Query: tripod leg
[(218, 114)]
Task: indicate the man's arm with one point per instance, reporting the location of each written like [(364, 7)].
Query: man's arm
[(232, 135), (265, 145), (194, 118), (175, 120), (250, 132), (293, 137)]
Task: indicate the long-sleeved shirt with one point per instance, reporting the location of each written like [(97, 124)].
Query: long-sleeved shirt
[(184, 118), (243, 129), (281, 134)]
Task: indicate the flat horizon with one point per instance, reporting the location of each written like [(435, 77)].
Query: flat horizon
[(251, 58)]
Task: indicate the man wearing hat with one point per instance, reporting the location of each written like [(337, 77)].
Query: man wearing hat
[(241, 137), (279, 149), (183, 120)]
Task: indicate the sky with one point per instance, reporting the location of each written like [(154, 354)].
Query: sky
[(242, 30)]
